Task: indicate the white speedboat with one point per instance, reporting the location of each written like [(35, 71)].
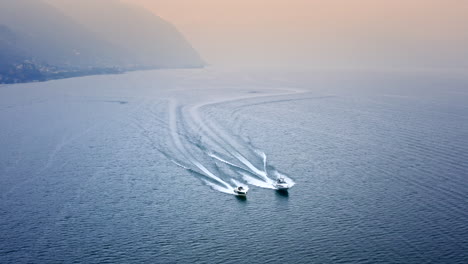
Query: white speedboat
[(241, 191), (281, 184)]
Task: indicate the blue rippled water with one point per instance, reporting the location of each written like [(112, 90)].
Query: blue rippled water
[(140, 168)]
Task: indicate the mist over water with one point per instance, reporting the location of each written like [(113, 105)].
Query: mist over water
[(140, 168)]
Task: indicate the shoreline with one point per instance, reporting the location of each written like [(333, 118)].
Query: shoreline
[(66, 74)]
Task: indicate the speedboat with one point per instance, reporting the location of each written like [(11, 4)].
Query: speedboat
[(241, 191), (281, 184)]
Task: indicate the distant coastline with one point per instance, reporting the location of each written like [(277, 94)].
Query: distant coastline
[(44, 40), (28, 72)]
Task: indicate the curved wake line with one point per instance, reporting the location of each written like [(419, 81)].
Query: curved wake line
[(207, 172), (180, 165), (187, 155), (224, 161), (219, 188), (247, 170), (228, 146), (259, 183), (225, 144)]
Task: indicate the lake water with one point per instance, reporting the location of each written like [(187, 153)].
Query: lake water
[(140, 168)]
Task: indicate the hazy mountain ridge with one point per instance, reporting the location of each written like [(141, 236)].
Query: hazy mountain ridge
[(15, 64), (45, 40), (9, 52), (127, 26)]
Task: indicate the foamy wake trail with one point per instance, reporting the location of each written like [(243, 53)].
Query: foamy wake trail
[(259, 153), (262, 155), (219, 188), (223, 160), (214, 181), (254, 169), (265, 163), (180, 165), (265, 183), (276, 173), (259, 183), (211, 175), (227, 189), (252, 174)]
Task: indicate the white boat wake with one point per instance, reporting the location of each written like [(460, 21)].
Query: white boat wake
[(234, 161)]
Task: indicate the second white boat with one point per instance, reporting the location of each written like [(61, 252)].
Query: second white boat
[(241, 191), (281, 184)]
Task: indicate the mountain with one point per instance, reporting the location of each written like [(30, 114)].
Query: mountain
[(150, 40), (52, 37), (9, 53), (15, 64), (42, 40)]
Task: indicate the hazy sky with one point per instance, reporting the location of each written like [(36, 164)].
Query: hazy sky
[(316, 33)]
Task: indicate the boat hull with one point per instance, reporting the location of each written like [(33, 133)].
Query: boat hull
[(282, 187), (242, 192)]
